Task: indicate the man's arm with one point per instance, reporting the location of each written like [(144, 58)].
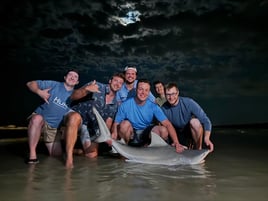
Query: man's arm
[(207, 141), (33, 87), (114, 134), (84, 90), (172, 133)]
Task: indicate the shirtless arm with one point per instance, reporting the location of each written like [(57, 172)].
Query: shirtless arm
[(114, 134), (109, 123), (84, 90)]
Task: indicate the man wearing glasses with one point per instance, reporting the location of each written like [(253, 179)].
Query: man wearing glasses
[(188, 118)]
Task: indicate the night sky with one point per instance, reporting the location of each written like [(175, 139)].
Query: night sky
[(217, 51)]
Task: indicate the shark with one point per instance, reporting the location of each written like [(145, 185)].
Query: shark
[(157, 153)]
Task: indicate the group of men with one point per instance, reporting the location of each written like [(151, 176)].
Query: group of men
[(126, 104)]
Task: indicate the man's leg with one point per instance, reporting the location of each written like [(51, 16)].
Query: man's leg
[(125, 131), (54, 148), (161, 131), (92, 150), (34, 132), (197, 132), (88, 147), (52, 139), (73, 122)]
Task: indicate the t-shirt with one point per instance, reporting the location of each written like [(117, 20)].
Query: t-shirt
[(54, 111), (182, 113), (140, 116), (98, 100)]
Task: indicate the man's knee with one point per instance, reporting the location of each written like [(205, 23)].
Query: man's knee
[(36, 119), (125, 125), (125, 129), (161, 131), (195, 123), (73, 118)]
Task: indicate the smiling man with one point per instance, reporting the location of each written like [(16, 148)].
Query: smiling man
[(188, 118), (129, 87), (134, 120), (47, 118), (81, 118)]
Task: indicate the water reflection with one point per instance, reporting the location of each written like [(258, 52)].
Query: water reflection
[(170, 181), (30, 184), (69, 192), (232, 172), (105, 178)]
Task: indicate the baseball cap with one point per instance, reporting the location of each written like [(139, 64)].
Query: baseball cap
[(130, 68)]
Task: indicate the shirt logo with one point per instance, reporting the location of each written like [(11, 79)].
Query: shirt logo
[(60, 103)]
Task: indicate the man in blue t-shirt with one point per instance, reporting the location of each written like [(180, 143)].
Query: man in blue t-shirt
[(128, 89), (188, 118), (134, 120), (46, 119)]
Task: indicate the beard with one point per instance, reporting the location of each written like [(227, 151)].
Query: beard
[(127, 82)]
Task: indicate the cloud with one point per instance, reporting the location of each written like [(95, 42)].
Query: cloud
[(131, 17), (211, 48)]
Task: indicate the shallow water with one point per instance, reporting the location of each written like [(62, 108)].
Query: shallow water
[(236, 170)]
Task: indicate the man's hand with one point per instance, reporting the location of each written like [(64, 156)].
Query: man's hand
[(179, 148), (44, 94), (93, 87)]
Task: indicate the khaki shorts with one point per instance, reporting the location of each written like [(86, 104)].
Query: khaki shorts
[(51, 134)]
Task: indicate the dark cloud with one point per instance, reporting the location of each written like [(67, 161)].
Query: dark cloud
[(216, 50)]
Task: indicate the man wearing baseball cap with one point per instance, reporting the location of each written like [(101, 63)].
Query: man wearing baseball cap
[(129, 87)]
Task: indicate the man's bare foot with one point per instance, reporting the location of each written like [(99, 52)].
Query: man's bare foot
[(69, 164)]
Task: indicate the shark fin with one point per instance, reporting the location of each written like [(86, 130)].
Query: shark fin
[(105, 133), (156, 140), (122, 141)]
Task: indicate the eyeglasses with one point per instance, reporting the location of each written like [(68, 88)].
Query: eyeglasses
[(172, 94)]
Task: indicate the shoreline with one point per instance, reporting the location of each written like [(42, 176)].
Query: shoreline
[(11, 132)]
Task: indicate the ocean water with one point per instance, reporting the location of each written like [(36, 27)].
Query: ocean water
[(236, 170)]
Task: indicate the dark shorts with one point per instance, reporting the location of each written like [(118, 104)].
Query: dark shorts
[(141, 137), (184, 135)]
